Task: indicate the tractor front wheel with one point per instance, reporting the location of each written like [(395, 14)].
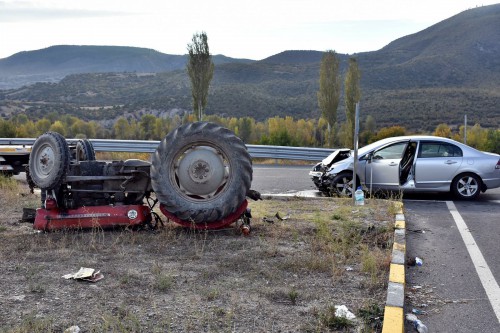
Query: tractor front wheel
[(49, 160)]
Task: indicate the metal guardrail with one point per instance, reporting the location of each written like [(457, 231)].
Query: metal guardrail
[(145, 146)]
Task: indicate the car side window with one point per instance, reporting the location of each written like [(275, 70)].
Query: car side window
[(394, 151), (439, 149)]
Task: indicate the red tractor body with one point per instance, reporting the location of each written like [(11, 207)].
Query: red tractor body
[(200, 174)]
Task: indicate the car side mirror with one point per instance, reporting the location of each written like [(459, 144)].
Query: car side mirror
[(369, 157)]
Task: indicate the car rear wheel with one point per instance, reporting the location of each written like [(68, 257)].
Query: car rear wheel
[(466, 186)]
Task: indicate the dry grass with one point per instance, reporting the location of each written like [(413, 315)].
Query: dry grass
[(122, 156), (286, 276)]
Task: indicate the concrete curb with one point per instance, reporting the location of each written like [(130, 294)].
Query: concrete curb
[(393, 313)]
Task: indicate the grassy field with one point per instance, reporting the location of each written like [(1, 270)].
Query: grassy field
[(286, 276)]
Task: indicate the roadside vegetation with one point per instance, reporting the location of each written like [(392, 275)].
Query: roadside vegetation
[(301, 260), (278, 131)]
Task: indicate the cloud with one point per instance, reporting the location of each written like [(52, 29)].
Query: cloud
[(20, 11)]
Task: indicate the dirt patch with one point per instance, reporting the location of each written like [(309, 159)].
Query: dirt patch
[(287, 276)]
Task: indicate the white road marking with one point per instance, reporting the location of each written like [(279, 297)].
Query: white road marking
[(488, 281)]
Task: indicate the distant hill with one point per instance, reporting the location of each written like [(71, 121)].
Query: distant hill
[(418, 81), (55, 62), (295, 57), (463, 50)]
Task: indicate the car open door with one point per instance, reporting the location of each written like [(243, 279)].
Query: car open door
[(407, 166), (382, 168)]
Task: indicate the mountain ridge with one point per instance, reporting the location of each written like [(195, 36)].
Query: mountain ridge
[(418, 81)]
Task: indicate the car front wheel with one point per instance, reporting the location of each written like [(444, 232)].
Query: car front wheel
[(466, 186), (341, 185)]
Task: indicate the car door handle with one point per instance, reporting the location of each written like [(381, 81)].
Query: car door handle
[(393, 164), (450, 162)]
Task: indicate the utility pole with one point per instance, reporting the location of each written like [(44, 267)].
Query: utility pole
[(355, 162), (465, 129)]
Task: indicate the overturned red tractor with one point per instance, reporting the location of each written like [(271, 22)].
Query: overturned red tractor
[(200, 175)]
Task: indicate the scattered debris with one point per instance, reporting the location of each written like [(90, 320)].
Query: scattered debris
[(28, 215), (418, 231), (245, 229), (414, 261), (417, 311), (278, 216), (72, 329), (267, 219), (85, 274), (349, 268), (410, 317), (282, 218), (19, 298), (245, 222), (418, 261), (254, 195), (416, 323), (343, 312)]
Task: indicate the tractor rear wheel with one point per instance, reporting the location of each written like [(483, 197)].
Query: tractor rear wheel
[(201, 172)]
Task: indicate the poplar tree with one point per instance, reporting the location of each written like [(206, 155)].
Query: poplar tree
[(200, 70), (329, 89), (352, 96)]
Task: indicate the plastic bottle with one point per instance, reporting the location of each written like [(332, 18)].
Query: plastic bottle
[(359, 197), (419, 326)]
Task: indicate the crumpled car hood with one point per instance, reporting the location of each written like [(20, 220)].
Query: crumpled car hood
[(336, 156)]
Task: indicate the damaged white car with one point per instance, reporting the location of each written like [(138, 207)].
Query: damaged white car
[(410, 164)]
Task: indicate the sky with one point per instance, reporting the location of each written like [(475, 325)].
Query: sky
[(253, 29)]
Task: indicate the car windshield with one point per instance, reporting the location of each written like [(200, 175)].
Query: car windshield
[(374, 145)]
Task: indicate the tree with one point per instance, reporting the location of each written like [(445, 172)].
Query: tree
[(352, 96), (121, 128), (443, 130), (245, 126), (493, 144), (147, 125), (387, 132), (370, 124), (58, 127), (477, 137), (200, 70), (7, 129), (329, 89), (42, 126)]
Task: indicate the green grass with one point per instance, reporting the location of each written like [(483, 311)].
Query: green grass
[(8, 183), (218, 271), (32, 324)]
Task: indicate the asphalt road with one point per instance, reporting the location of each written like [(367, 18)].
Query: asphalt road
[(281, 179), (291, 179), (454, 280)]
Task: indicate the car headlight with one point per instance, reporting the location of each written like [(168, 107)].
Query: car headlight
[(318, 167)]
